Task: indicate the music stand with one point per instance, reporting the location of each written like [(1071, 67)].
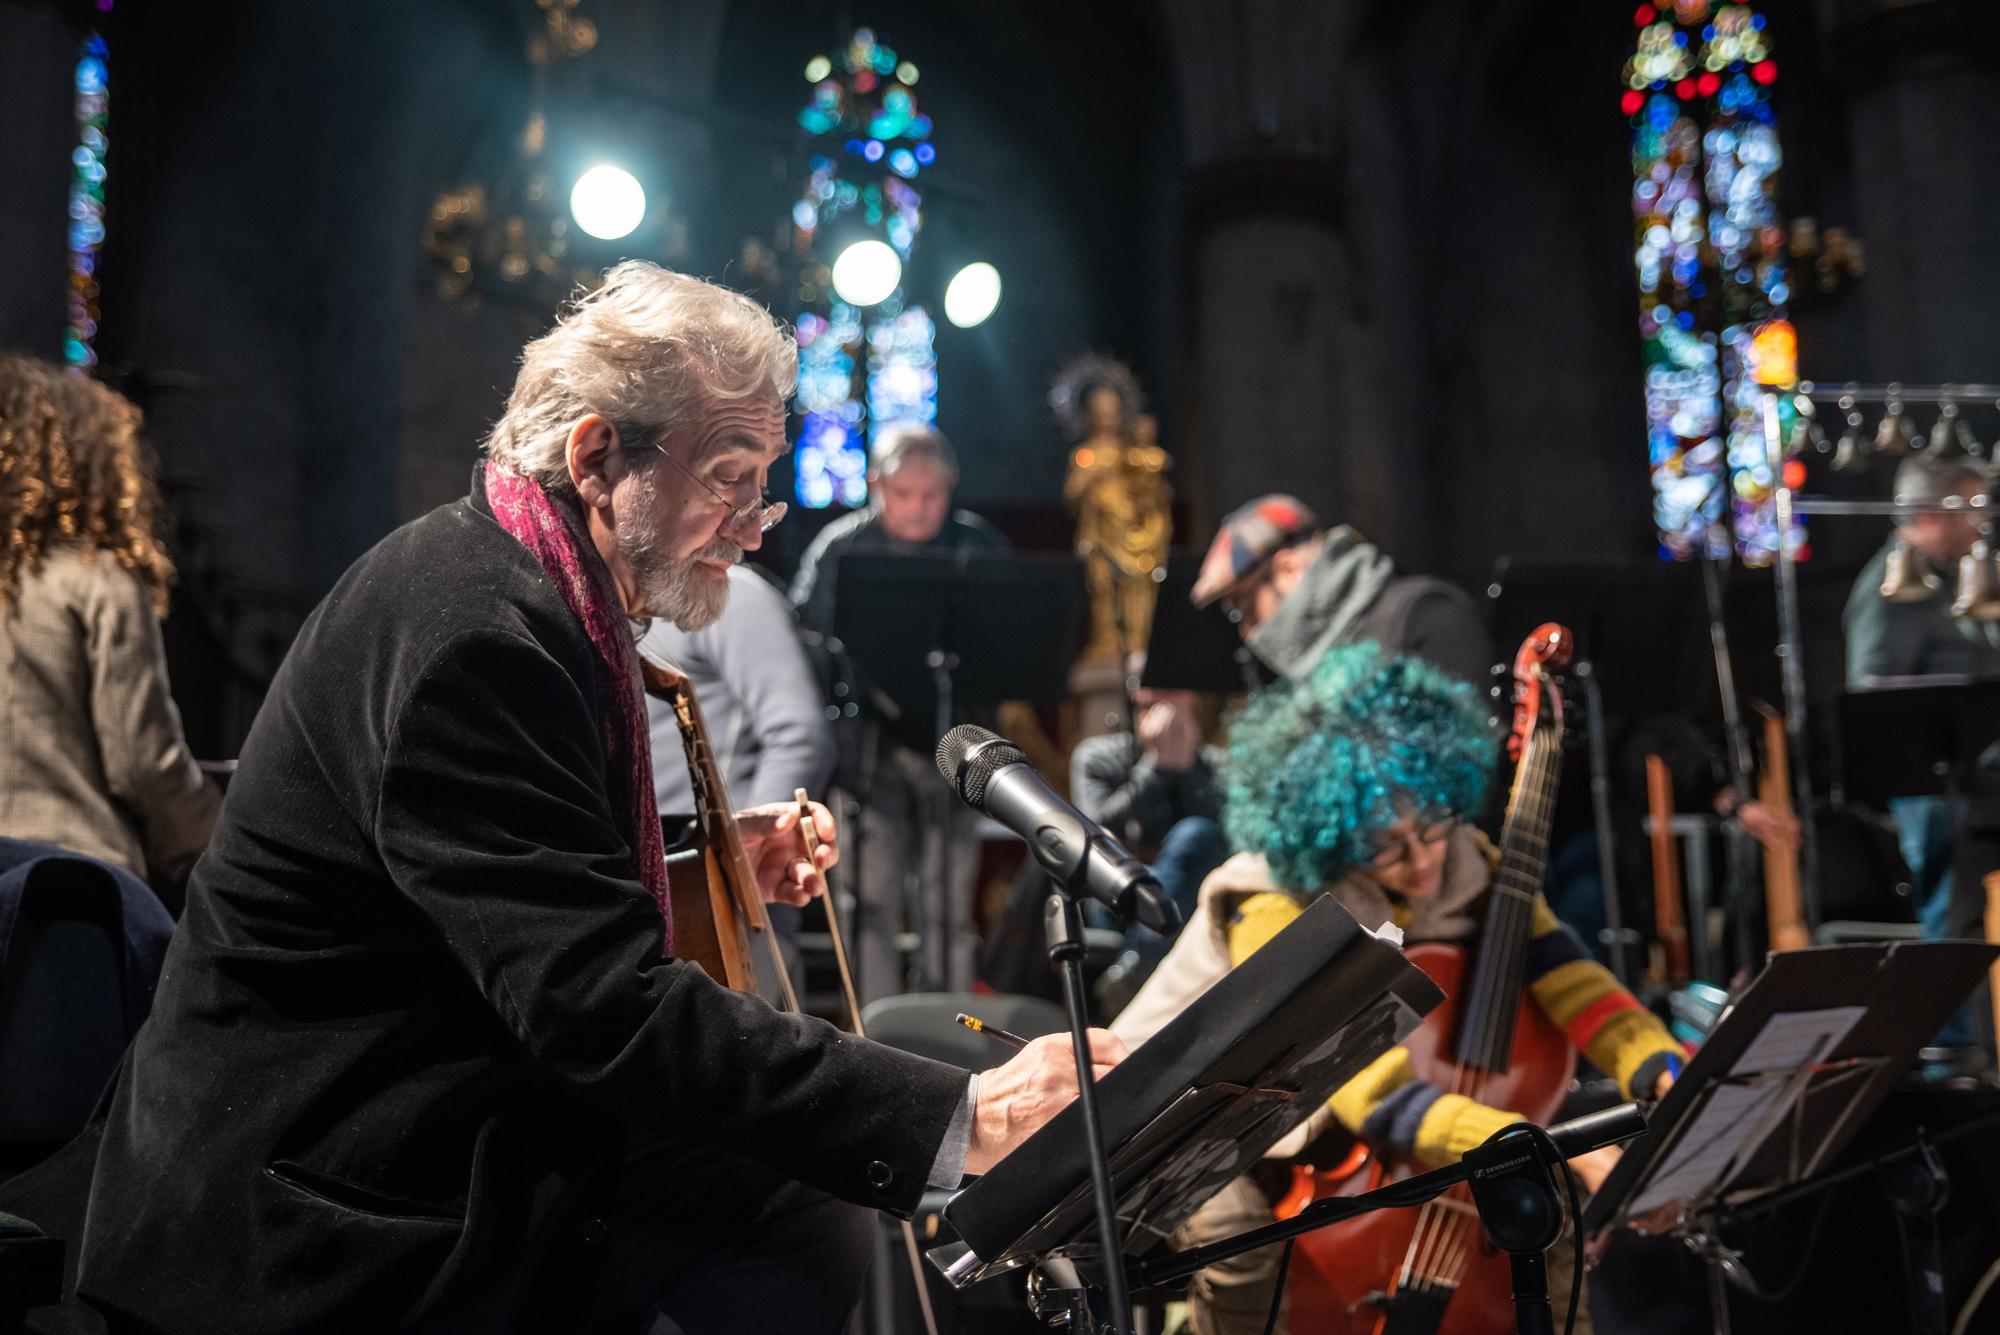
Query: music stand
[(1200, 1102), (1783, 1084), (1908, 737), (1193, 648), (921, 636), (1642, 624)]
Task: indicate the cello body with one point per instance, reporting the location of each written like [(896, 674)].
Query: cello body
[(1336, 1270)]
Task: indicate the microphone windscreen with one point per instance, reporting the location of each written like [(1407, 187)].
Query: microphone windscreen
[(968, 756)]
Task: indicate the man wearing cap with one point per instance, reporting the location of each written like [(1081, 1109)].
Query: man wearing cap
[(1295, 590)]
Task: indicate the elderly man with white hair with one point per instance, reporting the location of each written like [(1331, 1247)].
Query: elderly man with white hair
[(422, 1057)]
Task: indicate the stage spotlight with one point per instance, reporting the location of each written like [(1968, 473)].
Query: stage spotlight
[(973, 294), (607, 202), (866, 272)]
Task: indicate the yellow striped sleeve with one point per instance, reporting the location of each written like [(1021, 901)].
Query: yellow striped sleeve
[(1256, 921)]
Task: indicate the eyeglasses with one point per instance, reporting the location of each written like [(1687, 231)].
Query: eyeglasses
[(1398, 848), (764, 511)]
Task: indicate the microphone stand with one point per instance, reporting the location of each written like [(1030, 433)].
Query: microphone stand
[(1063, 922), (942, 664)]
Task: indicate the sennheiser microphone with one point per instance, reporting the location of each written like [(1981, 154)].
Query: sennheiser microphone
[(992, 775)]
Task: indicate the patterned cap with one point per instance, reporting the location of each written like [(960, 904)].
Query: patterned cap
[(1246, 540)]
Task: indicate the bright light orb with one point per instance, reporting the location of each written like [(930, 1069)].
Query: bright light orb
[(973, 294), (818, 68), (607, 202), (866, 272)]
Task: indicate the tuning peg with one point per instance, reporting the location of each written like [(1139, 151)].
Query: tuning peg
[(1907, 577), (1978, 585), (1948, 434), (1847, 456), (1894, 435)]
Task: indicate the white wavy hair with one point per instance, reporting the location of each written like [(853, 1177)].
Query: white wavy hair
[(646, 350)]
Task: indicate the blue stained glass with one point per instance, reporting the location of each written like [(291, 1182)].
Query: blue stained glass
[(1705, 169), (926, 154)]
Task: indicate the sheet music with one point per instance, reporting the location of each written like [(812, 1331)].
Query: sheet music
[(1793, 1038), (1730, 1127)]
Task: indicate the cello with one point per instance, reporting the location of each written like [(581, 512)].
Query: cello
[(1431, 1270)]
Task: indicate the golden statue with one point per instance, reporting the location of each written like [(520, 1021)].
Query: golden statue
[(1118, 490)]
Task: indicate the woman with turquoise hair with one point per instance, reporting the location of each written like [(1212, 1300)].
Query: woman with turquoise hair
[(1360, 780)]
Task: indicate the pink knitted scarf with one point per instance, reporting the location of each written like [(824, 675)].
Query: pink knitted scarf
[(525, 510)]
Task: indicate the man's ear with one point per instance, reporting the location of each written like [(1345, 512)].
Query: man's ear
[(592, 445)]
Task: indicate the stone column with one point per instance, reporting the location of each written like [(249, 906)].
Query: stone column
[(1268, 271), (1924, 124)]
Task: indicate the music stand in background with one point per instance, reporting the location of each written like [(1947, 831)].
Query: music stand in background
[(920, 637), (1913, 737), (1191, 648), (1780, 1088)]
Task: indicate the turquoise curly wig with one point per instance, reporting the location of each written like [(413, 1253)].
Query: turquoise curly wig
[(1318, 766)]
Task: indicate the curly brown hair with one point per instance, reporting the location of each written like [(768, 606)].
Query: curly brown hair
[(74, 472)]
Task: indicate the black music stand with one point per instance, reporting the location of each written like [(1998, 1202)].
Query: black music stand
[(1782, 1085), (920, 637), (1915, 736), (1193, 648), (1193, 1107)]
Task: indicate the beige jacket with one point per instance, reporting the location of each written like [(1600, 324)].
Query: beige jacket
[(1200, 954), (92, 758)]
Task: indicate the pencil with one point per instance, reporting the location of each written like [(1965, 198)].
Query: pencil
[(979, 1026)]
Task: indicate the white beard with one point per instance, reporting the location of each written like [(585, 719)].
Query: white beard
[(683, 591)]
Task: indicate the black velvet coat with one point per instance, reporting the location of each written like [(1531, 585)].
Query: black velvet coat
[(417, 1001)]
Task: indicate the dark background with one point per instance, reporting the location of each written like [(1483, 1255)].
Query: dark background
[(1377, 254)]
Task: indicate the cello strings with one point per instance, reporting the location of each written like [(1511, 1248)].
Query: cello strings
[(1440, 1247)]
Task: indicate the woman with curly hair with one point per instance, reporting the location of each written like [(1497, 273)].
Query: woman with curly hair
[(92, 757), (1358, 781)]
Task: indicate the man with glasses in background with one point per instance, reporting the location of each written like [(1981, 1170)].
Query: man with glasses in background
[(1296, 589), (912, 828), (422, 1057)]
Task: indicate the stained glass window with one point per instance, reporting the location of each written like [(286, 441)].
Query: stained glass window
[(86, 201), (1711, 268), (859, 369)]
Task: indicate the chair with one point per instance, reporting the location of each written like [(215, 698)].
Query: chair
[(77, 971), (925, 1023), (31, 1271)]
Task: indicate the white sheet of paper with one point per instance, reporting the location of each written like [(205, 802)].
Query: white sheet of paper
[(1793, 1038), (1726, 1127)]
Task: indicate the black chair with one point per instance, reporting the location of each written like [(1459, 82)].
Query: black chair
[(77, 972), (31, 1271), (925, 1023)]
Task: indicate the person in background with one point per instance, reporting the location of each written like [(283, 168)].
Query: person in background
[(1296, 589), (907, 817), (1359, 780), (1915, 635), (771, 734), (92, 758), (1158, 791)]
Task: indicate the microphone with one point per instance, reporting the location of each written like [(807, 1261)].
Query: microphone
[(990, 774)]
